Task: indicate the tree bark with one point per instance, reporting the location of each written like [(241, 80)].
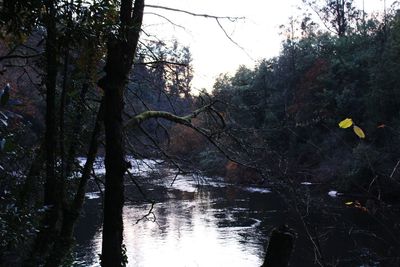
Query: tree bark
[(30, 192), (71, 213), (120, 54), (114, 183), (52, 191), (76, 130), (280, 247), (80, 109)]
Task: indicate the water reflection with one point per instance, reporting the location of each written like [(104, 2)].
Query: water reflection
[(191, 237), (211, 225), (221, 224)]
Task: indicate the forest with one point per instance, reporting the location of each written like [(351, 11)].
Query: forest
[(104, 144)]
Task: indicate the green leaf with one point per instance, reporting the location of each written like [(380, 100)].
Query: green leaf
[(346, 123)]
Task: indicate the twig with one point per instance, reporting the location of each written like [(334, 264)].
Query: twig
[(233, 19), (19, 56), (167, 19), (150, 212), (208, 16), (394, 169), (138, 186), (161, 62), (233, 41)]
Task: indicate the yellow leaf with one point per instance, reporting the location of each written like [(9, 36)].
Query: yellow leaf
[(346, 123), (358, 131), (348, 203)]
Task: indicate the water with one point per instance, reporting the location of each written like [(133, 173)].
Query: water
[(210, 222), (206, 225)]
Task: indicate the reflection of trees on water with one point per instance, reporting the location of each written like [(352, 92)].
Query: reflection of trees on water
[(235, 219), (88, 239), (199, 218)]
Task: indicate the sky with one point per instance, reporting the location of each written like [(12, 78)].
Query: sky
[(257, 36)]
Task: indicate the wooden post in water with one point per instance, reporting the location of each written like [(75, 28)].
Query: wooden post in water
[(280, 247)]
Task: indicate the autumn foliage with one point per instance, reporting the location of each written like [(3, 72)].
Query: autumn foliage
[(185, 141), (238, 173)]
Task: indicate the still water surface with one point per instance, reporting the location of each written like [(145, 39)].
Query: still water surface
[(195, 222), (199, 221)]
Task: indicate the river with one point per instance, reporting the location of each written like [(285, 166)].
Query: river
[(208, 222)]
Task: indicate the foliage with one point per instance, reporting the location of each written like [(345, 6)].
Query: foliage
[(280, 117), (73, 34), (346, 123), (17, 224), (293, 102)]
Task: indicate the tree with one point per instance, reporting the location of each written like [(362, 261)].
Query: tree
[(72, 36), (58, 23), (338, 16), (121, 49)]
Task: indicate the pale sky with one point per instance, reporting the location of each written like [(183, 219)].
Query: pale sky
[(213, 53)]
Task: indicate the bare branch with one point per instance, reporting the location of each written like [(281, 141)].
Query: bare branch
[(314, 9), (167, 19), (233, 41), (138, 187), (394, 169), (155, 143), (233, 19), (19, 56), (208, 16), (150, 212), (185, 120), (162, 62)]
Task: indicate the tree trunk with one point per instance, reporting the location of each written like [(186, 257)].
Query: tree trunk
[(71, 214), (120, 54), (30, 192), (61, 114), (80, 109), (76, 130), (52, 191), (280, 247), (114, 185), (340, 18)]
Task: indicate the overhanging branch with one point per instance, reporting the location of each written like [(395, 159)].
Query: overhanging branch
[(186, 121), (166, 62), (207, 16), (195, 14), (152, 114), (167, 19), (20, 56)]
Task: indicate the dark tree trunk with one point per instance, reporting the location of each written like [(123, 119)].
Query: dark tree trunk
[(52, 191), (280, 247), (63, 100), (76, 131), (30, 192), (64, 93), (340, 18), (114, 185), (71, 213), (80, 110), (51, 194), (120, 54)]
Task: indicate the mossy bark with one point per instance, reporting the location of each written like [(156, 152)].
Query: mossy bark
[(120, 53)]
